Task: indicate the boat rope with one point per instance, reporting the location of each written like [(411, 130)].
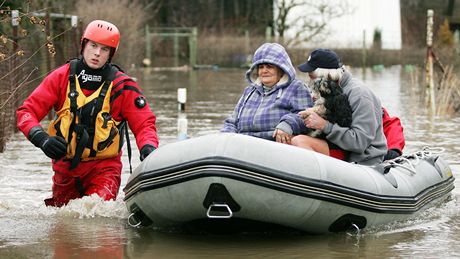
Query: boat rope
[(401, 162), (433, 150), (409, 162)]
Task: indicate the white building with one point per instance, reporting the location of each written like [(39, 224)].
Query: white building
[(349, 31)]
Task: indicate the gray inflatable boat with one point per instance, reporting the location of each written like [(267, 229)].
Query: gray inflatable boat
[(232, 176)]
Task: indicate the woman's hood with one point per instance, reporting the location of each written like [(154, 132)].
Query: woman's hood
[(271, 53)]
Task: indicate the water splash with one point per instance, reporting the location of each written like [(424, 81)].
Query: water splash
[(93, 206)]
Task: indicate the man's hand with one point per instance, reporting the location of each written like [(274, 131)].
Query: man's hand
[(282, 137), (312, 120)]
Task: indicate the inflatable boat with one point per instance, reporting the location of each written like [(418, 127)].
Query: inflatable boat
[(231, 176)]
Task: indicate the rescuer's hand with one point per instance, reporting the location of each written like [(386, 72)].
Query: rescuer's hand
[(146, 150), (392, 153), (54, 147)]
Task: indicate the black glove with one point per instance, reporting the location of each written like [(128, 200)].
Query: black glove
[(392, 153), (54, 147), (145, 151)]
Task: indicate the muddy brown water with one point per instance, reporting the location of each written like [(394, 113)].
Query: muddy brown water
[(90, 228)]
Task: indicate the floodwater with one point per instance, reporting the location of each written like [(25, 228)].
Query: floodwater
[(91, 228)]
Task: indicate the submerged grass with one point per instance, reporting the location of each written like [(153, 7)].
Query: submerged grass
[(448, 93)]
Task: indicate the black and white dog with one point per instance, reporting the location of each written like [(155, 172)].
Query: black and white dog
[(330, 103)]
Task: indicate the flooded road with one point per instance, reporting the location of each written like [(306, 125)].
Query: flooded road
[(91, 228)]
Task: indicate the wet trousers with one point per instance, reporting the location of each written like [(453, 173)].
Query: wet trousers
[(102, 177)]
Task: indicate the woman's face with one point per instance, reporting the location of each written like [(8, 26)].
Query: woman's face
[(269, 74)]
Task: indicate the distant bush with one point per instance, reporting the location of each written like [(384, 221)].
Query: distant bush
[(445, 36)]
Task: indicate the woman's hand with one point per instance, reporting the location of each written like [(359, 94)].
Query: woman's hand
[(312, 120), (282, 137)]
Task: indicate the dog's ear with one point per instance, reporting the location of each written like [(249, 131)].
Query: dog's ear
[(325, 87), (335, 88)]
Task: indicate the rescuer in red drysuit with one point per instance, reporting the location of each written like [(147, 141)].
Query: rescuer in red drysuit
[(95, 102), (394, 134)]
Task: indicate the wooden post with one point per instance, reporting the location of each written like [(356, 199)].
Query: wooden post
[(247, 42), (176, 49), (182, 121), (181, 98), (457, 42), (15, 23), (148, 43), (429, 81), (364, 53), (48, 36), (192, 42), (268, 34), (47, 54), (14, 64), (74, 36)]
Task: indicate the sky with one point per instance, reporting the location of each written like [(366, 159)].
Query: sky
[(348, 31)]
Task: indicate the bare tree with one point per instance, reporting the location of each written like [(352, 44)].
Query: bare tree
[(22, 38), (312, 24)]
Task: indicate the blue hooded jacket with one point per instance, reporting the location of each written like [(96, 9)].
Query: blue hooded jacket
[(258, 112)]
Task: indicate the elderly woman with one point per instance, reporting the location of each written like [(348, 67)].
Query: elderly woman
[(270, 105)]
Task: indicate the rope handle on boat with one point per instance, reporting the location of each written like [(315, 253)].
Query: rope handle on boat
[(133, 225), (417, 156), (433, 150), (399, 162)]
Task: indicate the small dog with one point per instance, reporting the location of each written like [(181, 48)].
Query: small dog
[(330, 103)]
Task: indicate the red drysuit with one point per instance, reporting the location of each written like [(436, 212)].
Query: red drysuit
[(101, 176)]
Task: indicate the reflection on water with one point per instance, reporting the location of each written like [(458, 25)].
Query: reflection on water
[(88, 238), (91, 228)]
